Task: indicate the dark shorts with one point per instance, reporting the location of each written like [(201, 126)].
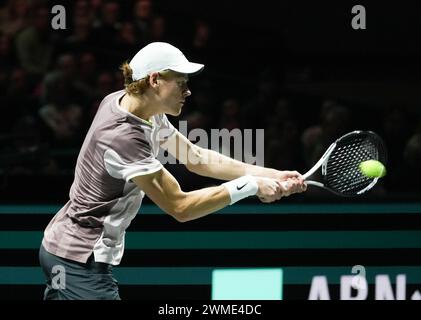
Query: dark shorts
[(71, 280)]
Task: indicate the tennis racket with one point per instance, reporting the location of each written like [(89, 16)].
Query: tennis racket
[(339, 165)]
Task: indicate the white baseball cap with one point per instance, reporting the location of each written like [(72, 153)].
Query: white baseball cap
[(159, 56)]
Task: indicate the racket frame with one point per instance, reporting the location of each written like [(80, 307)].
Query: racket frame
[(323, 163)]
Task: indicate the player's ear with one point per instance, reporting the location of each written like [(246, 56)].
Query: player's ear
[(154, 79)]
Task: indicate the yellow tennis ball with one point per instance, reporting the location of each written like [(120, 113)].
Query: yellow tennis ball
[(373, 169)]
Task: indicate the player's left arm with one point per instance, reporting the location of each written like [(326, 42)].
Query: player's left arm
[(213, 164)]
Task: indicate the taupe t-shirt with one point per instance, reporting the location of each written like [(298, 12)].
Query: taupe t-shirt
[(103, 199)]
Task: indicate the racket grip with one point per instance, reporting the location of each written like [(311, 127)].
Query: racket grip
[(315, 183)]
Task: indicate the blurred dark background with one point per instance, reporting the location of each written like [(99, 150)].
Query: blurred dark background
[(296, 69)]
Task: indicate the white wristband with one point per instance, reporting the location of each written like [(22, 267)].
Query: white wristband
[(241, 188)]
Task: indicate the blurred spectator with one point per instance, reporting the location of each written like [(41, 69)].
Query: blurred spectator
[(158, 30), (35, 44), (18, 98), (264, 98), (412, 156), (335, 121), (200, 110), (96, 6), (107, 30), (108, 24), (88, 67), (229, 119), (104, 85), (28, 153), (396, 130), (405, 177), (201, 35), (7, 55), (126, 41), (200, 42), (282, 145), (26, 134), (142, 17), (84, 9), (87, 75), (118, 81), (6, 65), (62, 118), (13, 18), (65, 71), (230, 112), (82, 38)]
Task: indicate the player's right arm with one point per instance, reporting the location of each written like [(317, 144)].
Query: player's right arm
[(164, 190)]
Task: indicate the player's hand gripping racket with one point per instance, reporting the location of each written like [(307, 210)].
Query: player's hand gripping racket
[(339, 165)]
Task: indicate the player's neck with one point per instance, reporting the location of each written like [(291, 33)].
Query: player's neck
[(140, 107)]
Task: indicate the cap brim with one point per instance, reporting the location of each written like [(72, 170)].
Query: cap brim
[(190, 68)]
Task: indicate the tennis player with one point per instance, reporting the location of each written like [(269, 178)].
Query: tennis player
[(118, 165)]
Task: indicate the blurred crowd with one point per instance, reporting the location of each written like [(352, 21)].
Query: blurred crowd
[(52, 81)]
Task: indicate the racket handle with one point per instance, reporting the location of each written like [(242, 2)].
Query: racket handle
[(309, 182), (315, 183)]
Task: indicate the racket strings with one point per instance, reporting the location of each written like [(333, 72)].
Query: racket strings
[(342, 172)]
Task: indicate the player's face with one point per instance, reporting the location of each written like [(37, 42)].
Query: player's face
[(174, 93)]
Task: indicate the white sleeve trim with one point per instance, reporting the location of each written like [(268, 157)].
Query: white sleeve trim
[(142, 173), (119, 169)]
